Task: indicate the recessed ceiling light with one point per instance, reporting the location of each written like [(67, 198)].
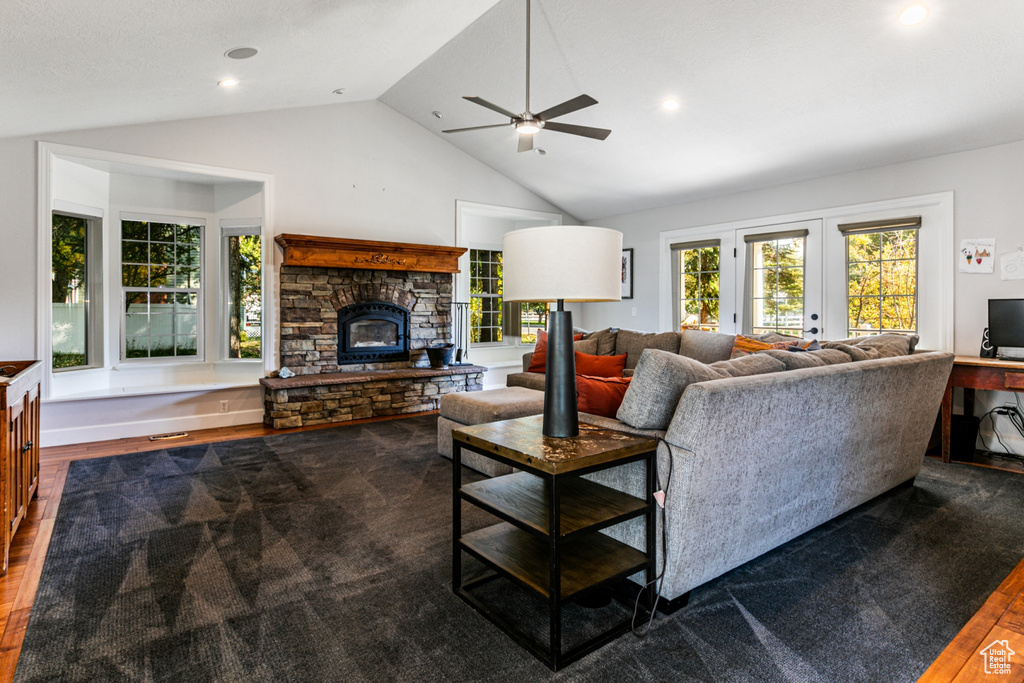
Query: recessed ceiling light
[(228, 83), (669, 104), (241, 52), (540, 151), (914, 14), (437, 114), (339, 91)]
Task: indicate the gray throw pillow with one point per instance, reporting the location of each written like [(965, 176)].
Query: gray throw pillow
[(658, 382), (605, 340), (753, 364), (810, 359), (854, 352), (888, 343), (707, 347), (633, 344)]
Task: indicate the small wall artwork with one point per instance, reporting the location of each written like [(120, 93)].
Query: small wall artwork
[(627, 273), (977, 256)]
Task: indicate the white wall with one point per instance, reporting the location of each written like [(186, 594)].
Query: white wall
[(357, 170), (988, 202)]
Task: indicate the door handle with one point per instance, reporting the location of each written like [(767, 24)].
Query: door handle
[(26, 447), (813, 330)]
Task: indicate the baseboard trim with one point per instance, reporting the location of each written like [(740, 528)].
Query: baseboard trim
[(121, 430)]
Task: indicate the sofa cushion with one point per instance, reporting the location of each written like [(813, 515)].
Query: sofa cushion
[(707, 347), (539, 359), (854, 352), (809, 359), (753, 364), (600, 395), (605, 340), (478, 407), (658, 382), (888, 344), (599, 366), (634, 343), (530, 380)]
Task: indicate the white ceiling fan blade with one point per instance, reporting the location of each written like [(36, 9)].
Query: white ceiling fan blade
[(525, 142)]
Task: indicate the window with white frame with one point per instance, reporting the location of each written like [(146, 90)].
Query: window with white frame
[(160, 285), (242, 250), (696, 266), (881, 259), (76, 292), (491, 320)]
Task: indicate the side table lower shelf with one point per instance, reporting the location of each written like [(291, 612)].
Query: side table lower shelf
[(590, 562)]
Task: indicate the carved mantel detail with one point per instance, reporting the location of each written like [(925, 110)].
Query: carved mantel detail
[(335, 252)]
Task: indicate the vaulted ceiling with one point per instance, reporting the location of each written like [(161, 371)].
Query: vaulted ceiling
[(770, 92)]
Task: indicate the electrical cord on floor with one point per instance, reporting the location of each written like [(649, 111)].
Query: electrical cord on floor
[(1016, 417), (660, 578)]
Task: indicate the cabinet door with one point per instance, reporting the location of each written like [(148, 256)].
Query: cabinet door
[(15, 468)]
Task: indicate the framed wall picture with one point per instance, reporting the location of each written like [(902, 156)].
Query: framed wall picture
[(627, 273)]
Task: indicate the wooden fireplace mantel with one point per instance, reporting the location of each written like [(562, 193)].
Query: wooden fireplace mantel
[(336, 252)]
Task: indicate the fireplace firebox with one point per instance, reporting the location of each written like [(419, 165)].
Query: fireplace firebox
[(372, 332)]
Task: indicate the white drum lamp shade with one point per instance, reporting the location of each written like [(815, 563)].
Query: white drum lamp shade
[(567, 262), (562, 263)]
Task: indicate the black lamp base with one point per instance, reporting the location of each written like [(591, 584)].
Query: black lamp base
[(561, 419)]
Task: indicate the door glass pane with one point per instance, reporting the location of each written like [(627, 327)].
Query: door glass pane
[(777, 286)]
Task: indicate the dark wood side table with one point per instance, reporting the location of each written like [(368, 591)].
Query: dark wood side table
[(547, 541), (970, 373)]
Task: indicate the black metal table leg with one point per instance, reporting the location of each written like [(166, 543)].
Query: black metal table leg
[(555, 572), (456, 516)]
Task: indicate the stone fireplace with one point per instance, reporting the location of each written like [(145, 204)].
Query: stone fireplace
[(356, 320)]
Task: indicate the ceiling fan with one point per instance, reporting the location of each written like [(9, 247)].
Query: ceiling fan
[(528, 123)]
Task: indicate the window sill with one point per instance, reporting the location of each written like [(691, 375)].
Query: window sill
[(123, 392)]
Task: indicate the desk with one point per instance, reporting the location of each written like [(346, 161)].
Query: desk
[(970, 373)]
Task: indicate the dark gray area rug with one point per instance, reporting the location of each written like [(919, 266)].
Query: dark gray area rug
[(325, 556)]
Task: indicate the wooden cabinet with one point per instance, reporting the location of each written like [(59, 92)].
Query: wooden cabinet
[(19, 443)]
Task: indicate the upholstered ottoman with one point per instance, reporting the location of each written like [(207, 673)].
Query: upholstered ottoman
[(478, 407)]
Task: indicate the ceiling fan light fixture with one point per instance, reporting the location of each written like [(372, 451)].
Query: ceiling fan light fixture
[(529, 127)]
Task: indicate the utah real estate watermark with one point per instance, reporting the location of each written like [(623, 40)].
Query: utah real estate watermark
[(997, 657)]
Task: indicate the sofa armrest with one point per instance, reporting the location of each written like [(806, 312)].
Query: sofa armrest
[(526, 361)]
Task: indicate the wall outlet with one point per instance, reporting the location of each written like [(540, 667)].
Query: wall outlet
[(634, 311), (223, 406)]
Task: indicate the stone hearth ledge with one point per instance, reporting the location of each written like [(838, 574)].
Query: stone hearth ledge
[(343, 396)]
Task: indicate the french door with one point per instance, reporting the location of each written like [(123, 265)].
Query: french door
[(779, 279)]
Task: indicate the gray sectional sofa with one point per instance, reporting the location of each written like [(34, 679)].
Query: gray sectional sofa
[(758, 450)]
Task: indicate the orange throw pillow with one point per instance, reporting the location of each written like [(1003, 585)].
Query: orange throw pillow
[(600, 395), (539, 359), (600, 366)]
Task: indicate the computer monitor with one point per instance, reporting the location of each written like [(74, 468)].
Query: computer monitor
[(1006, 327)]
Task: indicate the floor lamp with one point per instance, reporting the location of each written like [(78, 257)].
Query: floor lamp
[(562, 263)]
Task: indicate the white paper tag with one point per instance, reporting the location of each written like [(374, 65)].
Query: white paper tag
[(659, 496)]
